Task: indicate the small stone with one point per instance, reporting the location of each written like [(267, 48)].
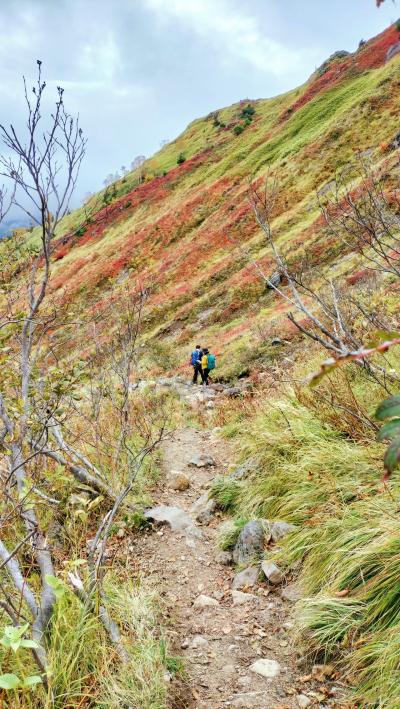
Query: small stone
[(205, 601), (303, 701), (204, 509), (247, 577), (198, 642), (291, 593), (224, 558), (228, 670), (242, 471), (185, 644), (239, 598), (178, 481), (266, 668), (201, 460), (251, 700), (272, 572)]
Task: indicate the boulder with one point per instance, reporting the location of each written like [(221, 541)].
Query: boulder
[(272, 572), (202, 460), (246, 578), (276, 341), (250, 543), (178, 481), (266, 668), (274, 280), (278, 530), (392, 51), (303, 701)]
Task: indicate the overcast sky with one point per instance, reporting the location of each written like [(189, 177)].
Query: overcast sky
[(138, 71)]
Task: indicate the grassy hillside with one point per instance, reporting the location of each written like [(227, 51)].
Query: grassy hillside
[(175, 233)]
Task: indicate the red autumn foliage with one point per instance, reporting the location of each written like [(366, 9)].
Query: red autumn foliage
[(359, 276), (370, 56)]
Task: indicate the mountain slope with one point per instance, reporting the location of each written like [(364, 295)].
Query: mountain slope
[(175, 230)]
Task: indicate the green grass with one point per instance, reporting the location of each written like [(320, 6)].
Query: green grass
[(346, 543)]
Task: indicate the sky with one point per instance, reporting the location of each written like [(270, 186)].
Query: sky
[(138, 71)]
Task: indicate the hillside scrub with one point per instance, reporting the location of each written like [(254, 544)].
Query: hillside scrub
[(312, 469)]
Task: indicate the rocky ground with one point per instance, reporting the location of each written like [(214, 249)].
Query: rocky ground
[(233, 631)]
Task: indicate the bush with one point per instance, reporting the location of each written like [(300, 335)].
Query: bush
[(238, 129), (247, 112), (181, 159)]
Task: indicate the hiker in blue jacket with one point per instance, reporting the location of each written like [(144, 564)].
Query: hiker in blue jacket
[(195, 361)]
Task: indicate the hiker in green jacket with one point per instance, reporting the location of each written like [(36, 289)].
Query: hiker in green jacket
[(207, 365)]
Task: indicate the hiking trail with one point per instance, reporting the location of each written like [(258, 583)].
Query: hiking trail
[(219, 633)]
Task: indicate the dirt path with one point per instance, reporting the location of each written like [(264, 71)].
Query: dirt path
[(219, 642)]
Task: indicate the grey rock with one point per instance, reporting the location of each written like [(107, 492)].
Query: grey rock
[(233, 392), (250, 543), (291, 593), (266, 668), (246, 578), (276, 341), (278, 530), (341, 54), (251, 700), (303, 701), (178, 520), (198, 642), (205, 602), (274, 280), (243, 470), (203, 509), (392, 51), (224, 558), (272, 572), (239, 598), (202, 460)]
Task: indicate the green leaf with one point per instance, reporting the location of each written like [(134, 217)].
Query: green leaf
[(388, 408), (382, 336), (58, 586), (392, 456), (32, 680), (9, 681), (389, 430), (29, 643)]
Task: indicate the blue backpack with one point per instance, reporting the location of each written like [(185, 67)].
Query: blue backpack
[(211, 361), (196, 357)]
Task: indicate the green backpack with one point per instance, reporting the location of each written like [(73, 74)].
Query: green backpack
[(211, 361)]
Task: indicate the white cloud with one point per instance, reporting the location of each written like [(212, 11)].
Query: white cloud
[(238, 35)]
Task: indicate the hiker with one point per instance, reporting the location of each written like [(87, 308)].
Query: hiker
[(195, 361), (207, 365)]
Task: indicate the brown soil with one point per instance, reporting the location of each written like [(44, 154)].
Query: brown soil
[(218, 644)]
